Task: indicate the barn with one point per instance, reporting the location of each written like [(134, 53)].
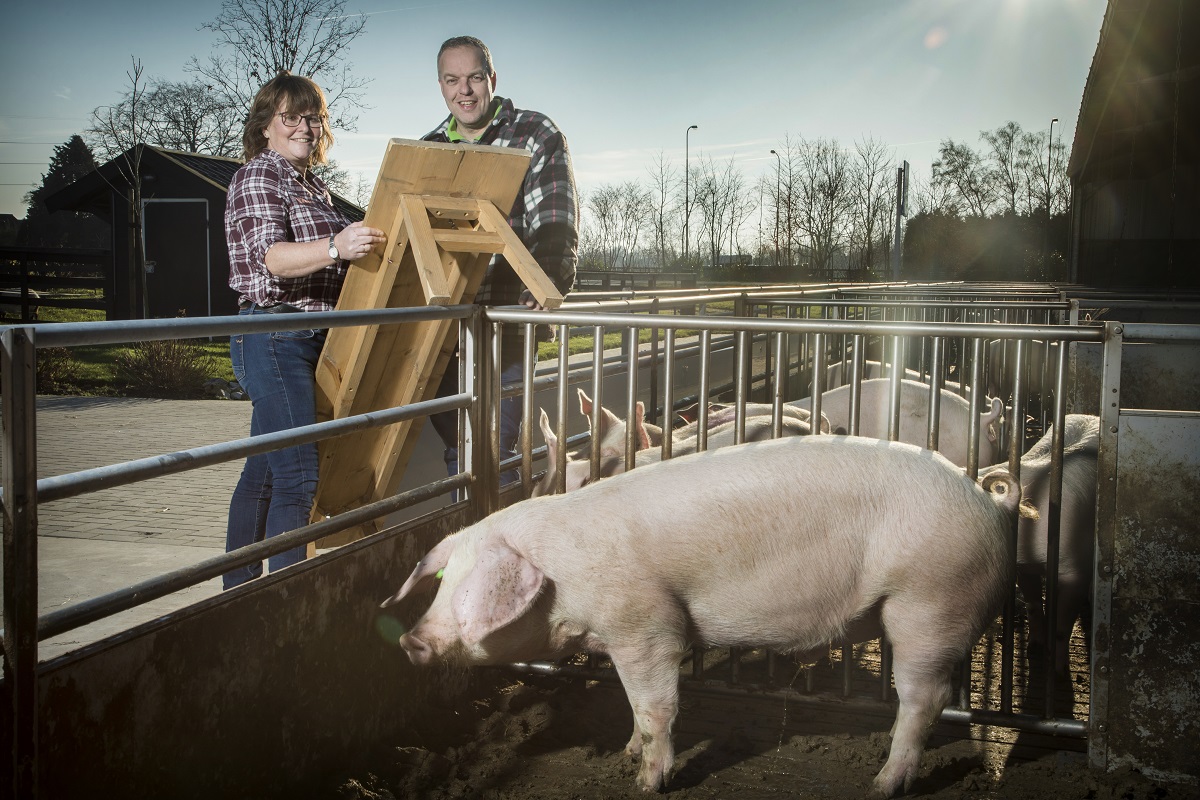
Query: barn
[(174, 262), (1135, 161)]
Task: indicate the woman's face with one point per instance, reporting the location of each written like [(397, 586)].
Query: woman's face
[(297, 144)]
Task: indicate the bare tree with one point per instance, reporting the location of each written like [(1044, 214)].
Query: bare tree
[(258, 38), (825, 199), (123, 128), (663, 183), (1008, 166), (873, 204), (688, 202), (1045, 165), (188, 116), (966, 174), (602, 205), (634, 209), (788, 189)]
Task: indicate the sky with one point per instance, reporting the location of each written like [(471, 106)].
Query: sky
[(623, 80)]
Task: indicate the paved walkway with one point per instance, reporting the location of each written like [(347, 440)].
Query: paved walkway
[(100, 542)]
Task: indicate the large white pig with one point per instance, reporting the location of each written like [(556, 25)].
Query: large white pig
[(914, 418), (786, 544), (1076, 530)]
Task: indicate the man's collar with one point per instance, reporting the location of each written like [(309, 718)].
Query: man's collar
[(452, 124)]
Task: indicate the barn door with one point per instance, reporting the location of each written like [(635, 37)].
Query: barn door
[(177, 258)]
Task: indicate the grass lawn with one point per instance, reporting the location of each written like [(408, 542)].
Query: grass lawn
[(93, 370)]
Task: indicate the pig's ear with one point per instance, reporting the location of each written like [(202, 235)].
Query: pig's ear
[(548, 435), (501, 587), (639, 427), (425, 573), (607, 418)]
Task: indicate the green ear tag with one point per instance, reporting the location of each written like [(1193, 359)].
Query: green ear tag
[(439, 574)]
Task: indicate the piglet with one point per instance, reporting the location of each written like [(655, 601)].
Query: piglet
[(785, 544)]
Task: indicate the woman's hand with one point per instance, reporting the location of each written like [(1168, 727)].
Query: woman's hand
[(356, 240), (297, 259)]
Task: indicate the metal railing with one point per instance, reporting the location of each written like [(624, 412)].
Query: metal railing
[(738, 335)]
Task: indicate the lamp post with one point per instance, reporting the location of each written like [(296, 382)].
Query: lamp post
[(1049, 179), (778, 172), (687, 211)]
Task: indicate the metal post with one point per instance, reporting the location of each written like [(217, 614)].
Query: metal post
[(17, 370), (687, 211)]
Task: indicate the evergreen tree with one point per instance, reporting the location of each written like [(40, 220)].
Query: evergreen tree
[(71, 161)]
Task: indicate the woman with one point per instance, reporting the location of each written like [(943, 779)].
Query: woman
[(288, 252)]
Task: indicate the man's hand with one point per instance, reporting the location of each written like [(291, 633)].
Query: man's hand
[(527, 299)]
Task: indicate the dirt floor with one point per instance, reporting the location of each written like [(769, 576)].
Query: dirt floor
[(547, 738)]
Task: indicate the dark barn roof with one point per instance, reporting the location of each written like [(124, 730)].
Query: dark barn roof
[(91, 192)]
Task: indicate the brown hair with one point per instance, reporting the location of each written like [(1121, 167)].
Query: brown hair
[(485, 55), (292, 93)]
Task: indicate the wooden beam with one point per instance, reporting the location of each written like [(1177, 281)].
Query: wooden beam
[(425, 250), (528, 270)]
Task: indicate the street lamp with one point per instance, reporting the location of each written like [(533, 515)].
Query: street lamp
[(1046, 235), (687, 212), (778, 172)]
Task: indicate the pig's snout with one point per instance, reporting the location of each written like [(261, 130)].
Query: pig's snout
[(419, 652)]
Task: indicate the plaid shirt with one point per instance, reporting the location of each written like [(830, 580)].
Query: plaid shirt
[(269, 202), (546, 211)]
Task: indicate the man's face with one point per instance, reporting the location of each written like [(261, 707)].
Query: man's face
[(467, 89)]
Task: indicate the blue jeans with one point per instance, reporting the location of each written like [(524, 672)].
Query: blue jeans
[(275, 492), (446, 423)]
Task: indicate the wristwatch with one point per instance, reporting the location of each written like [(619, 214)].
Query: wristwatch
[(333, 251)]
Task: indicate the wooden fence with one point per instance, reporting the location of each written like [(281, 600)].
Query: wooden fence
[(32, 278)]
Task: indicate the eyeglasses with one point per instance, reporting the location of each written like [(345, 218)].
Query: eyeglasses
[(313, 120)]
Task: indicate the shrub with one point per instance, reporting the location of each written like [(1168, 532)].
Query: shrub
[(56, 371), (174, 369)]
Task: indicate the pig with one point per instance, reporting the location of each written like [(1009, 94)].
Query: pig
[(683, 442), (1077, 531), (612, 427), (839, 375), (723, 413), (787, 544), (914, 418)]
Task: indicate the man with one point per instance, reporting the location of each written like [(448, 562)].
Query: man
[(544, 215)]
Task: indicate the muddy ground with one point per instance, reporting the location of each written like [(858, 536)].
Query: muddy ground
[(541, 738)]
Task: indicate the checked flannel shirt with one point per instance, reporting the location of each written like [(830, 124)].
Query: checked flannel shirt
[(269, 202), (546, 212)]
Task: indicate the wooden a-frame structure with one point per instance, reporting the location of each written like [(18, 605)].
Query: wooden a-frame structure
[(440, 205)]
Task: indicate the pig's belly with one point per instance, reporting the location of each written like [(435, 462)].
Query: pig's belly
[(782, 626)]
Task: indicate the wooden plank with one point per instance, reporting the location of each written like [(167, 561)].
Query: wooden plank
[(428, 262), (469, 241), (385, 366)]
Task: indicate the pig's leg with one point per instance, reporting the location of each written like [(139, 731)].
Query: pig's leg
[(1072, 595), (924, 690), (650, 675)]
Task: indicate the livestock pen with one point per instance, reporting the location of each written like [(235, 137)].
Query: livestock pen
[(276, 686)]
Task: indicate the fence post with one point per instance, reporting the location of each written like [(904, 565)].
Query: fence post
[(18, 373)]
